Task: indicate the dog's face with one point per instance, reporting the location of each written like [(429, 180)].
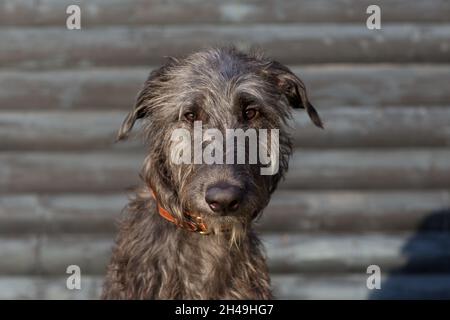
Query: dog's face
[(190, 108)]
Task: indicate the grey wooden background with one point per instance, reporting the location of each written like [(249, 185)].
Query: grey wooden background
[(373, 188)]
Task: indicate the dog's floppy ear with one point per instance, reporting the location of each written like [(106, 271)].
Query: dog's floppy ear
[(143, 99), (137, 113), (294, 90)]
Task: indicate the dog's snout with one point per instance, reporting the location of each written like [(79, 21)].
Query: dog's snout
[(223, 197)]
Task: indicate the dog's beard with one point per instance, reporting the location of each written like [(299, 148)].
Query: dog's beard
[(232, 228)]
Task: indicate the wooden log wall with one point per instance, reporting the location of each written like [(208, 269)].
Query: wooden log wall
[(373, 188)]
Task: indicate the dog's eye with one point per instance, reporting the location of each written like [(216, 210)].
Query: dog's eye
[(190, 116), (250, 113)]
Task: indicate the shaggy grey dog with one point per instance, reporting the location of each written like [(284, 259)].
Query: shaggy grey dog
[(187, 233)]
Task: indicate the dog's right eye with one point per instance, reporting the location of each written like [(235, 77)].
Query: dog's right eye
[(250, 113), (190, 116)]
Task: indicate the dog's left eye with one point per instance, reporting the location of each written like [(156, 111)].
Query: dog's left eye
[(190, 116), (250, 113)]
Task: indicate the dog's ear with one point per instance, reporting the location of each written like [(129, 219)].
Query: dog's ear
[(293, 89), (143, 100), (137, 113)]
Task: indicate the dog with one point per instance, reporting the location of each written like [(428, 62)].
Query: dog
[(187, 232)]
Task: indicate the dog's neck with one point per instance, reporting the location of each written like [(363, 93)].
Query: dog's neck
[(154, 259), (213, 265)]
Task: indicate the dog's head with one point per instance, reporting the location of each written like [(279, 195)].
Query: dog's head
[(217, 126)]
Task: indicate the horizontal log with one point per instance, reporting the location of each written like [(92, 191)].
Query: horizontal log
[(48, 288), (356, 211), (329, 86), (368, 127), (368, 169), (67, 213), (57, 47), (19, 256), (354, 286), (136, 12), (44, 255), (348, 127), (62, 130), (61, 172), (88, 172), (288, 211), (287, 253), (419, 252), (334, 287), (71, 89)]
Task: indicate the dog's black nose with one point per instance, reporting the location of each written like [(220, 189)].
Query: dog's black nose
[(223, 197)]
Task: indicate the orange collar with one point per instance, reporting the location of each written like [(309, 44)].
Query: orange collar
[(193, 223)]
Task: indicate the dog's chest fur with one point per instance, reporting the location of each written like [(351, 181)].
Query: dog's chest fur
[(154, 259)]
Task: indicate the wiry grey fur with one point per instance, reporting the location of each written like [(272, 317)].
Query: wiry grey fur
[(153, 258)]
